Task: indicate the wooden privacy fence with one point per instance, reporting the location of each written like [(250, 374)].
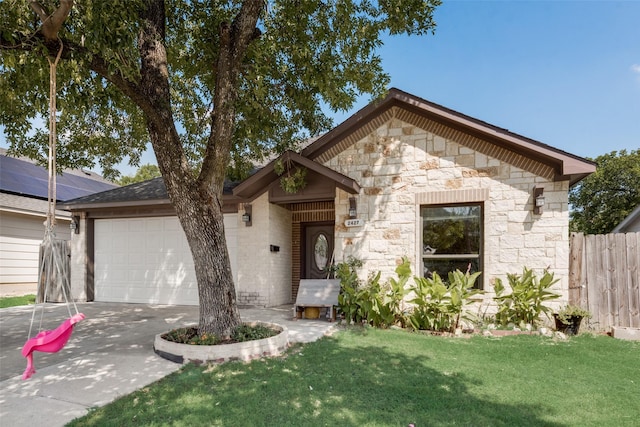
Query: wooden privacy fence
[(604, 277)]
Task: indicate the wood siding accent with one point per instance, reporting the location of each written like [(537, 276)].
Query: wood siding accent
[(453, 196), (305, 213), (604, 277)]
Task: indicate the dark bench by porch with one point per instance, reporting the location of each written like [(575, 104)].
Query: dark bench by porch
[(318, 293)]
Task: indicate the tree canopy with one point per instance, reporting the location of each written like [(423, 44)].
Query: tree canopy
[(144, 173), (301, 55), (212, 86), (603, 199)]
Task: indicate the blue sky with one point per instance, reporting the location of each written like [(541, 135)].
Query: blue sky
[(565, 73)]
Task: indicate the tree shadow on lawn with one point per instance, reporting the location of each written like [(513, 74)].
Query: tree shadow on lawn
[(322, 384)]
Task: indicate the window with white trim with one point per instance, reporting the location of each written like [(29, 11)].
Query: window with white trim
[(451, 239)]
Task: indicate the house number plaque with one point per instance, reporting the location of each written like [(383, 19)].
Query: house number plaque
[(354, 222)]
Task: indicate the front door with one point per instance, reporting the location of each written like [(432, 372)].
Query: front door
[(318, 251)]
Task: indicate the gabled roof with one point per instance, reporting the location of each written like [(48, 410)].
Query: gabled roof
[(150, 192), (449, 123), (523, 152), (254, 185), (630, 219), (24, 178)]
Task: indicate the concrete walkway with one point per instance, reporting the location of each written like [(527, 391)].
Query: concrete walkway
[(109, 355)]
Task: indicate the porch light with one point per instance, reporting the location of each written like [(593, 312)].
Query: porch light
[(246, 217), (538, 197), (353, 211)]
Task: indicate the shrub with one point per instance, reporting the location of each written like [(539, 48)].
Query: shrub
[(526, 302), (439, 306), (376, 304), (392, 301), (351, 297)]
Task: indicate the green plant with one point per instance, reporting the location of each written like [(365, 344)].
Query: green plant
[(439, 306), (395, 292), (379, 305), (190, 336), (565, 314), (527, 300), (462, 292), (246, 332), (292, 179), (430, 304), (350, 297)]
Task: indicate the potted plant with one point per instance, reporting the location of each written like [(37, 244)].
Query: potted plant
[(569, 317)]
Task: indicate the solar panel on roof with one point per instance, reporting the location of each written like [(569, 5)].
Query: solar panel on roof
[(25, 178)]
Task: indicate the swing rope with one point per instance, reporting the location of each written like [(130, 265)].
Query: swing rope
[(50, 256)]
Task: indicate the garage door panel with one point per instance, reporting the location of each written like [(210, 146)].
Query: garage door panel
[(147, 260)]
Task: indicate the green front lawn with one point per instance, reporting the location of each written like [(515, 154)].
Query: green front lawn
[(15, 301), (369, 377)]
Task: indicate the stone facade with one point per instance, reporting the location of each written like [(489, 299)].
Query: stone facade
[(402, 167)]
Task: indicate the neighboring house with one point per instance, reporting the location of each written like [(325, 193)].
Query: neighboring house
[(23, 211), (630, 224), (401, 177)]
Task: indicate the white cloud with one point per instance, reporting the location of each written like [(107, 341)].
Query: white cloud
[(635, 68)]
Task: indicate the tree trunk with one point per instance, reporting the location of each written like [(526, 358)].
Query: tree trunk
[(203, 223), (198, 202)]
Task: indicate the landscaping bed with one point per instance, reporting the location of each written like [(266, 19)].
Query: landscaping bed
[(220, 351)]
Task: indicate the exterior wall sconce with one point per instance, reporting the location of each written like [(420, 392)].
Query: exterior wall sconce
[(246, 217), (353, 209), (538, 200), (74, 225)]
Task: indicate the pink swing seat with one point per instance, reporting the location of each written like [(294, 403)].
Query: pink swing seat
[(48, 342)]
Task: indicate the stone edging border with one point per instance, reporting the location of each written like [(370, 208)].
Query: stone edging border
[(245, 351)]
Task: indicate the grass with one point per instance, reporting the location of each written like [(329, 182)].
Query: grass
[(369, 377), (16, 301)]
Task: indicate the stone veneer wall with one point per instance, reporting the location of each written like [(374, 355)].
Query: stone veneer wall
[(401, 166), (264, 277)]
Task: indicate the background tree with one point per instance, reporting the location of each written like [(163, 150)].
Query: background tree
[(213, 86), (144, 173), (603, 199)]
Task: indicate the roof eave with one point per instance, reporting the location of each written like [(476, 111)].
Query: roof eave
[(565, 164), (261, 180)]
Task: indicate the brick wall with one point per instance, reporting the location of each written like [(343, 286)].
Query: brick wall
[(264, 277)]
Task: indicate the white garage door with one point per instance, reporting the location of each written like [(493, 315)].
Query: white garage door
[(147, 260)]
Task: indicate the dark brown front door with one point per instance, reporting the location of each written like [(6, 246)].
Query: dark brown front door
[(318, 250)]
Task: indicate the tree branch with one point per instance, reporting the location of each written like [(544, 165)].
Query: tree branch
[(51, 24), (234, 41)]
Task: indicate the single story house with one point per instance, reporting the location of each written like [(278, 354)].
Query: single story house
[(403, 177), (23, 211), (630, 224)]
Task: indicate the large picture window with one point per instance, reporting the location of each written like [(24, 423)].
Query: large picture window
[(451, 239)]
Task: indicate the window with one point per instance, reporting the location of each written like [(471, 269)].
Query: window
[(451, 239)]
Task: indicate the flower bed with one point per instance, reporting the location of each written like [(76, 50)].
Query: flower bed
[(247, 350)]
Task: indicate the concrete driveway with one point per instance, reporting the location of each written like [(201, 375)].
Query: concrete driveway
[(110, 354)]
